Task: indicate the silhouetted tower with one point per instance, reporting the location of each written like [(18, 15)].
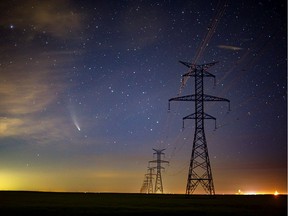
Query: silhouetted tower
[(144, 185), (147, 186), (150, 180), (158, 181), (199, 169)]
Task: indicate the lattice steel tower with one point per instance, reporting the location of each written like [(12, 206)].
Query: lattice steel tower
[(147, 186), (150, 179), (144, 186), (158, 181), (199, 169)]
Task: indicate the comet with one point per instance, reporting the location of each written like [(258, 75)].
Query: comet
[(74, 119), (77, 126)]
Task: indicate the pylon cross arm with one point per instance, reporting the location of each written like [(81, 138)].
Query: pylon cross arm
[(192, 97), (214, 98), (163, 161), (193, 116), (198, 67), (184, 98), (193, 73)]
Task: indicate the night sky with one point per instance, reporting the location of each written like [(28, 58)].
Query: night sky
[(84, 92)]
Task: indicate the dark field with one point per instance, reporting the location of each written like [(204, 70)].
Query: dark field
[(46, 203)]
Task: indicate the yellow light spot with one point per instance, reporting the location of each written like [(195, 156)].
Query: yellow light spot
[(239, 192), (276, 193), (251, 193)]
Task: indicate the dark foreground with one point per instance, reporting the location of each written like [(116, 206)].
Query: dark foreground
[(45, 203)]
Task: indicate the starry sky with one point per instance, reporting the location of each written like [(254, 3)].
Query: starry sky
[(85, 85)]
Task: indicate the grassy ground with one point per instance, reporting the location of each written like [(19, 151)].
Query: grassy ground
[(45, 203)]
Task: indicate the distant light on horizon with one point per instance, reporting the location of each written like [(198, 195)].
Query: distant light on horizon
[(251, 193), (239, 192)]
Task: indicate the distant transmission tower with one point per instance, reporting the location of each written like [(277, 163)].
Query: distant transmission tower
[(150, 179), (158, 181), (147, 186), (200, 169), (144, 185)]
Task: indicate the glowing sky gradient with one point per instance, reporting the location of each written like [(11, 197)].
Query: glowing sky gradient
[(85, 85)]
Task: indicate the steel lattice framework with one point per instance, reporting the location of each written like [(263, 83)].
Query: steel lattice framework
[(199, 169), (150, 179), (158, 181), (147, 186)]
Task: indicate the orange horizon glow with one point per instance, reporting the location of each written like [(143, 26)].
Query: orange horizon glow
[(80, 191), (10, 181), (107, 181), (268, 192)]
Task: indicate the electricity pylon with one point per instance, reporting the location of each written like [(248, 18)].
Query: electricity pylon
[(144, 185), (199, 169), (147, 186), (158, 181), (150, 179)]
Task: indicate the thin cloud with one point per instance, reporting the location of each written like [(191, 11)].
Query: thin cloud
[(34, 129), (52, 17), (29, 93), (9, 126), (227, 47), (33, 94)]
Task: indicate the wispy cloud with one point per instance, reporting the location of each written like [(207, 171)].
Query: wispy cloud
[(53, 17), (34, 78), (227, 47), (24, 95), (29, 92), (28, 87)]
